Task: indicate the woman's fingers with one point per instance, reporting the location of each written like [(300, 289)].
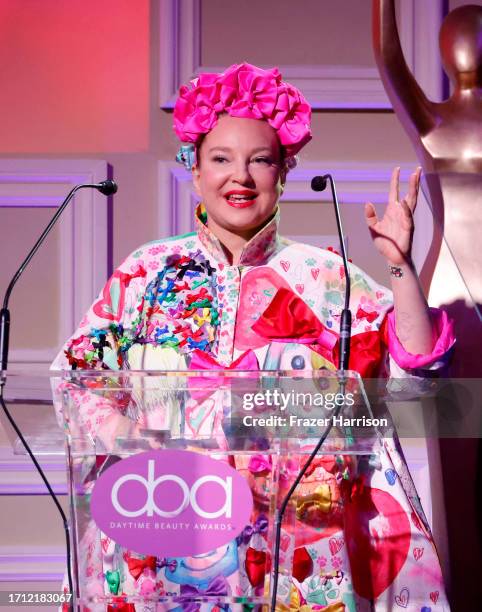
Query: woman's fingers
[(370, 214), (407, 219), (394, 193), (413, 186)]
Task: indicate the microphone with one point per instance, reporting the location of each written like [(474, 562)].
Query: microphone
[(107, 187), (319, 183)]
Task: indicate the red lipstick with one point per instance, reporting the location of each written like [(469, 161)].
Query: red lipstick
[(240, 198)]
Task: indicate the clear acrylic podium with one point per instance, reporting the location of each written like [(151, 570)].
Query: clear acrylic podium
[(260, 425)]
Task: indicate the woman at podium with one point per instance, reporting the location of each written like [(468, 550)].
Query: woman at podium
[(236, 294)]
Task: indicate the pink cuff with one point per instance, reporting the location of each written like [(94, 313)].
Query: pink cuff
[(444, 331)]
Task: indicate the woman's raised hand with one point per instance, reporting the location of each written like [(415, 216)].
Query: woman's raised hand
[(392, 235)]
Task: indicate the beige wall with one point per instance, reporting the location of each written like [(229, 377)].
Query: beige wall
[(81, 79), (270, 32)]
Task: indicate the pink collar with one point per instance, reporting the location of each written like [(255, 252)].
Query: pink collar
[(256, 252)]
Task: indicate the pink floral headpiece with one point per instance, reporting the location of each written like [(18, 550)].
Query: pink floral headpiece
[(247, 91)]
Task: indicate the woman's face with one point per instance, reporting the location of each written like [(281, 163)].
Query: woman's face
[(240, 174)]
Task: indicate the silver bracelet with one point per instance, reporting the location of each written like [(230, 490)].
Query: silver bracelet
[(395, 271)]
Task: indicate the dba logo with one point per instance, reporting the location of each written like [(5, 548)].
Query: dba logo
[(189, 495), (171, 503)]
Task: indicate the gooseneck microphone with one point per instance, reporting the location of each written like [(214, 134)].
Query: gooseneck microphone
[(319, 183), (107, 187)]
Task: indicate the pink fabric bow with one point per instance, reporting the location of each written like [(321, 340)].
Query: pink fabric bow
[(203, 361), (201, 387), (259, 464), (289, 319), (245, 91)]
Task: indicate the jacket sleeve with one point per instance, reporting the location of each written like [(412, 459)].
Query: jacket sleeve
[(443, 342), (109, 325), (373, 303)]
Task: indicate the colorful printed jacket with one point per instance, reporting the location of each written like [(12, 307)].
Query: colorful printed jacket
[(176, 303)]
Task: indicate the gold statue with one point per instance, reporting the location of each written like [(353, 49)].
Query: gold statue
[(447, 137)]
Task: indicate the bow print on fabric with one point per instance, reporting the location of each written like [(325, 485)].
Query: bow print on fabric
[(257, 563), (137, 566), (217, 587), (111, 305), (120, 605), (203, 361), (363, 314), (201, 387), (260, 464), (180, 308), (260, 526), (289, 319), (113, 581)]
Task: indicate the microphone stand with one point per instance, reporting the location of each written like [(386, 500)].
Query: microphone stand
[(319, 184), (107, 187)]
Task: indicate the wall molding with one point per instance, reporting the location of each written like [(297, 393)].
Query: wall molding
[(325, 86), (18, 475), (32, 564), (84, 242), (419, 25)]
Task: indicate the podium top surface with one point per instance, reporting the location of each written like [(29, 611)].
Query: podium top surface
[(226, 408)]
